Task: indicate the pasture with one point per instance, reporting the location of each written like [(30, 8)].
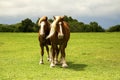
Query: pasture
[(90, 56)]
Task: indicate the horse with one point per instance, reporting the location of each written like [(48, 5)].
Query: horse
[(59, 36), (43, 33)]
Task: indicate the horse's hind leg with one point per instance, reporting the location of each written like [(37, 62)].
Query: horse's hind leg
[(52, 64), (42, 53)]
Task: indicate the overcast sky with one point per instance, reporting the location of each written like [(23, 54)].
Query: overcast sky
[(105, 12)]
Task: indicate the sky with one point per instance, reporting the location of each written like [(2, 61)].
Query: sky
[(105, 12)]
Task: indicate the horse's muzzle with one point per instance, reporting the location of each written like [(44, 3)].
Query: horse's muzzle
[(43, 35), (60, 36)]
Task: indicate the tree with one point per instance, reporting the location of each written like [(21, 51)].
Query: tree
[(95, 27), (115, 28), (7, 28), (26, 25), (76, 26)]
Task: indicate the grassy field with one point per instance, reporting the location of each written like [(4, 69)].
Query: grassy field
[(90, 56)]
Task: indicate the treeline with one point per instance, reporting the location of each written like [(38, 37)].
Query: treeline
[(24, 26), (76, 26), (27, 25)]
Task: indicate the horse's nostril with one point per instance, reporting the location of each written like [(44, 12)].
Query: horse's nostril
[(60, 36), (42, 34)]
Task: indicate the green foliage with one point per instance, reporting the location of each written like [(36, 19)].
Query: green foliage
[(6, 28), (27, 25), (76, 26), (115, 28), (90, 56), (50, 20)]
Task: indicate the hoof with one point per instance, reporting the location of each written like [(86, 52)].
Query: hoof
[(41, 62), (49, 59), (56, 62), (52, 65), (64, 65), (61, 62)]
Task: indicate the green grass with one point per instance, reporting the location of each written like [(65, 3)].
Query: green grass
[(90, 56)]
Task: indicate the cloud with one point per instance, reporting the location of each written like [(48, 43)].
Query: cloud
[(74, 8), (52, 7)]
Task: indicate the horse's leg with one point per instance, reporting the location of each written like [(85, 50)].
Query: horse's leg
[(56, 55), (64, 64), (61, 55), (53, 56), (47, 49), (42, 53)]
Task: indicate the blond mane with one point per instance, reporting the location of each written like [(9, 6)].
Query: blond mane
[(44, 18), (53, 26)]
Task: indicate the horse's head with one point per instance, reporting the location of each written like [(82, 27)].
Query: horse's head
[(57, 26), (58, 19), (44, 26)]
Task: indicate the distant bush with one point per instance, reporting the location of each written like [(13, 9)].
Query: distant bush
[(115, 28), (7, 28), (76, 26), (26, 25)]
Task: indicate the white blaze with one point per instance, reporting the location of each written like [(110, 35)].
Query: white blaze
[(61, 32), (42, 28), (53, 26)]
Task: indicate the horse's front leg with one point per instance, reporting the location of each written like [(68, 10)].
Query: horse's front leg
[(56, 55), (52, 56), (64, 64), (42, 53), (49, 55)]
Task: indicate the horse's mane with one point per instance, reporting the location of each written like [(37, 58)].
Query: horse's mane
[(53, 27), (52, 30), (44, 18)]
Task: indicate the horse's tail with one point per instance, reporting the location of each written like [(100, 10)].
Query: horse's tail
[(52, 30)]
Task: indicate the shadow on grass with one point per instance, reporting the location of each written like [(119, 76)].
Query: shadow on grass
[(76, 67)]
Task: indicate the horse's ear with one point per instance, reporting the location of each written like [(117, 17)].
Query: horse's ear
[(38, 21), (54, 17), (46, 18), (38, 18), (62, 17)]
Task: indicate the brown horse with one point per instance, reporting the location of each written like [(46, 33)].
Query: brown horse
[(59, 35), (43, 33)]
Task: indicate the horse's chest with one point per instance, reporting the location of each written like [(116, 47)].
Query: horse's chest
[(57, 41)]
